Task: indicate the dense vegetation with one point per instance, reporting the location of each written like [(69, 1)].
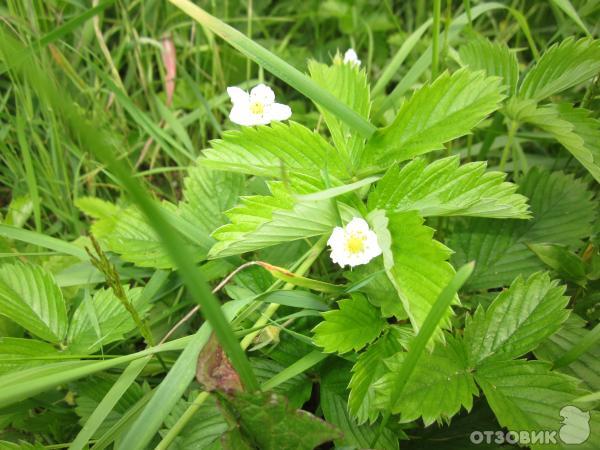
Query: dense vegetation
[(410, 260)]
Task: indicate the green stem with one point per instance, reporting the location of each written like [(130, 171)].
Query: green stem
[(512, 129), (435, 53)]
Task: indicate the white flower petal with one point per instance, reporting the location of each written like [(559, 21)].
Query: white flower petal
[(278, 111), (350, 57), (357, 225), (238, 95), (263, 94), (240, 114)]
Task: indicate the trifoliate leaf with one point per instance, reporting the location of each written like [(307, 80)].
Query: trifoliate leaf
[(437, 113), (440, 385), (587, 366), (333, 396), (562, 212), (368, 368), (351, 327), (528, 396), (517, 320), (562, 66), (494, 58), (103, 319), (276, 151), (348, 83), (30, 297), (445, 188)]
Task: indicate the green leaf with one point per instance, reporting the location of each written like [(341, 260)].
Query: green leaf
[(445, 188), (517, 320), (204, 427), (103, 319), (20, 353), (30, 297), (417, 265), (105, 213), (262, 221), (574, 128), (437, 113), (494, 58), (207, 194), (273, 425), (562, 211), (439, 386), (351, 327), (296, 389), (562, 66), (587, 366), (332, 393), (349, 84), (368, 368), (276, 151), (379, 289), (526, 395), (566, 263), (136, 241), (568, 8)]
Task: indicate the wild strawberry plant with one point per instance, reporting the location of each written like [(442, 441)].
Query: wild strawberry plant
[(409, 268)]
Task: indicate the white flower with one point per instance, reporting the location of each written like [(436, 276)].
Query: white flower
[(353, 245), (256, 108), (350, 57)]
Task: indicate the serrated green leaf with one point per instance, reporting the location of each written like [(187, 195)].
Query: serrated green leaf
[(368, 368), (437, 113), (333, 394), (494, 58), (21, 353), (526, 395), (30, 297), (296, 389), (439, 386), (562, 211), (574, 128), (261, 221), (562, 66), (587, 366), (277, 151), (349, 84), (517, 320), (416, 264), (106, 312), (445, 188), (273, 425), (105, 213), (351, 327), (136, 242), (207, 194)]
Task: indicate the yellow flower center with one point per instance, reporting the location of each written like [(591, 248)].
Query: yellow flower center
[(355, 244), (257, 108)]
